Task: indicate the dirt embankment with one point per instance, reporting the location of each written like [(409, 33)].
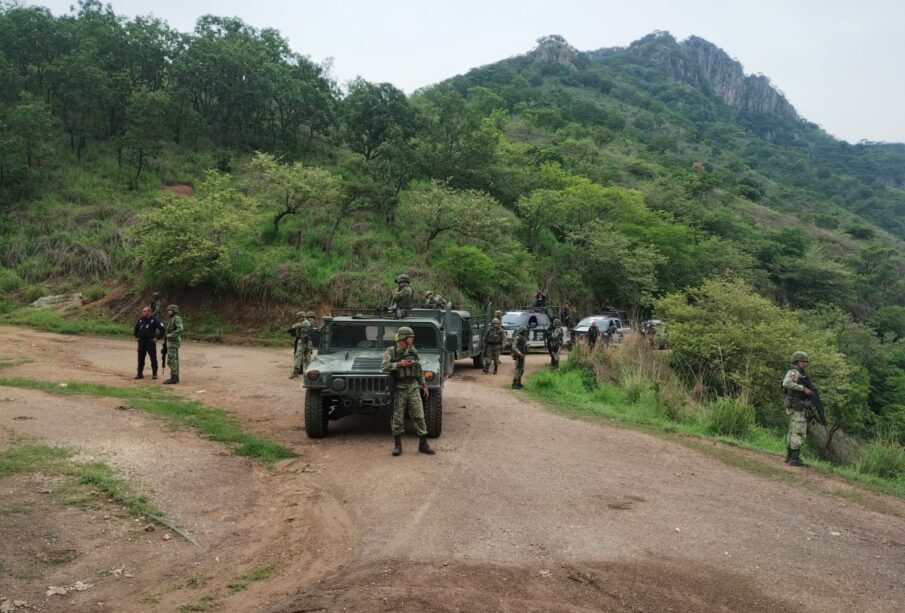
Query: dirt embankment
[(520, 510)]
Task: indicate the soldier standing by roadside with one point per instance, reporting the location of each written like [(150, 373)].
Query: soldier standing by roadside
[(300, 331), (492, 344), (147, 330), (174, 330), (593, 333), (519, 351), (554, 342), (403, 362), (156, 307), (796, 401)]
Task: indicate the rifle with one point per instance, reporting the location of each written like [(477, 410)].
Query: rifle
[(816, 402), (163, 353)]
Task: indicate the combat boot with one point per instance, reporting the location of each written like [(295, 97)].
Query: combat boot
[(295, 374), (795, 458), (154, 375), (139, 376), (423, 447), (172, 380), (397, 447)]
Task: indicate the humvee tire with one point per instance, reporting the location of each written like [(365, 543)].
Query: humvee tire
[(478, 360), (315, 415), (433, 413)]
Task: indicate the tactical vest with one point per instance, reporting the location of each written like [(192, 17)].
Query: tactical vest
[(521, 345), (794, 399), (495, 337), (404, 298), (413, 370)]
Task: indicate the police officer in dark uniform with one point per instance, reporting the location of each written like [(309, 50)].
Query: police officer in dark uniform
[(147, 330)]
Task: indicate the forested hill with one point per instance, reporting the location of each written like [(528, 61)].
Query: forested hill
[(128, 159)]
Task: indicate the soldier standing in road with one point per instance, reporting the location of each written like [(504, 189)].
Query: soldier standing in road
[(404, 296), (156, 307), (593, 333), (147, 330), (300, 348), (519, 351), (554, 342), (403, 362), (174, 341), (492, 344), (796, 402)]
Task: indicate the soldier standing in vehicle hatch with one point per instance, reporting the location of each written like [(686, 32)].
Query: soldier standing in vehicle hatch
[(403, 362)]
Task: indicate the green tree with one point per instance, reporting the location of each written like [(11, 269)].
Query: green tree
[(374, 113), (144, 132)]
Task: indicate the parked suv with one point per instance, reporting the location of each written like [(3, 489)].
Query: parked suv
[(603, 324), (536, 320)]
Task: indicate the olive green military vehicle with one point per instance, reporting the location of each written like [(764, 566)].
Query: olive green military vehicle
[(346, 377)]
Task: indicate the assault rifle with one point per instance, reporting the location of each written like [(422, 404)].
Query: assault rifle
[(816, 402), (163, 353)]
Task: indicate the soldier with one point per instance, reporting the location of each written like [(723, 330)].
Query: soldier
[(156, 306), (147, 330), (797, 402), (404, 296), (492, 345), (403, 362), (554, 342), (428, 299), (300, 331), (439, 302), (519, 351), (566, 315), (498, 315), (593, 333), (174, 340)]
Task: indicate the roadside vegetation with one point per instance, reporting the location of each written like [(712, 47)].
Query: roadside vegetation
[(215, 424)]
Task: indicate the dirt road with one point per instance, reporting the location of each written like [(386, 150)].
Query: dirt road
[(520, 510)]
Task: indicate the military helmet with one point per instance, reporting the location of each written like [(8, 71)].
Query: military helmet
[(495, 321), (497, 314), (310, 314), (799, 356), (156, 294), (402, 278), (305, 324), (403, 333), (301, 314), (522, 330), (556, 322), (173, 308), (428, 294)]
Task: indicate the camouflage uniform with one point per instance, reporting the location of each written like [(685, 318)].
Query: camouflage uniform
[(492, 342), (302, 354), (156, 307), (404, 297), (407, 390), (428, 300), (519, 351), (797, 405), (554, 342), (312, 319), (174, 341)]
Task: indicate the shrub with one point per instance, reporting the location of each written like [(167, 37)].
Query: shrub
[(33, 292), (9, 281), (883, 458), (727, 417), (94, 293)]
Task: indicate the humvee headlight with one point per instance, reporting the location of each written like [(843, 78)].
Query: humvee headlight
[(338, 384), (313, 375), (428, 375)]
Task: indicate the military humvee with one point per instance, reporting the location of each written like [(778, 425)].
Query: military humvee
[(345, 378)]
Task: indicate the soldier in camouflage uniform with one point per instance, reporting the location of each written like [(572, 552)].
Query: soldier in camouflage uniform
[(312, 318), (796, 401), (302, 349), (554, 342), (519, 351), (492, 344), (439, 301), (428, 300), (404, 296), (403, 362), (156, 306), (174, 341)]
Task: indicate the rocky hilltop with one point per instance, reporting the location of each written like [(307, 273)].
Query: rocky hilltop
[(700, 63)]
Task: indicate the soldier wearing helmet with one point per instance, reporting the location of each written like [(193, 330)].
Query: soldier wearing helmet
[(404, 296), (302, 348), (796, 402), (428, 299), (403, 362), (174, 341), (519, 351), (492, 345), (554, 342), (156, 306)]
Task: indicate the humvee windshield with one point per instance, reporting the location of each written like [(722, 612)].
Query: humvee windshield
[(379, 336)]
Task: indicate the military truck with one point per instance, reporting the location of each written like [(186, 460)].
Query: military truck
[(345, 378)]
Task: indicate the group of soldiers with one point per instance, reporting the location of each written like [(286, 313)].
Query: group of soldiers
[(149, 329), (494, 339)]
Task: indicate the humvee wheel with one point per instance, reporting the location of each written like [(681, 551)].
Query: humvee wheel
[(315, 415), (433, 414)]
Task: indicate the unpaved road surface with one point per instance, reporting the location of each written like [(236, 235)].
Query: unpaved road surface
[(520, 510)]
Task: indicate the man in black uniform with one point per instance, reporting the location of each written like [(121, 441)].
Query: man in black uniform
[(147, 331)]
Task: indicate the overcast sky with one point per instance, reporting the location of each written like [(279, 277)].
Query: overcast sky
[(840, 62)]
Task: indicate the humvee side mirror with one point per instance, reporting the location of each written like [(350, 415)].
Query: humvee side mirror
[(452, 342)]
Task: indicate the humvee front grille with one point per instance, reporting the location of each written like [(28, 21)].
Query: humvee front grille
[(367, 384), (366, 363)]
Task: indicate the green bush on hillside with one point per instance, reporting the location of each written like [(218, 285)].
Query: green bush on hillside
[(728, 417), (883, 458)]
